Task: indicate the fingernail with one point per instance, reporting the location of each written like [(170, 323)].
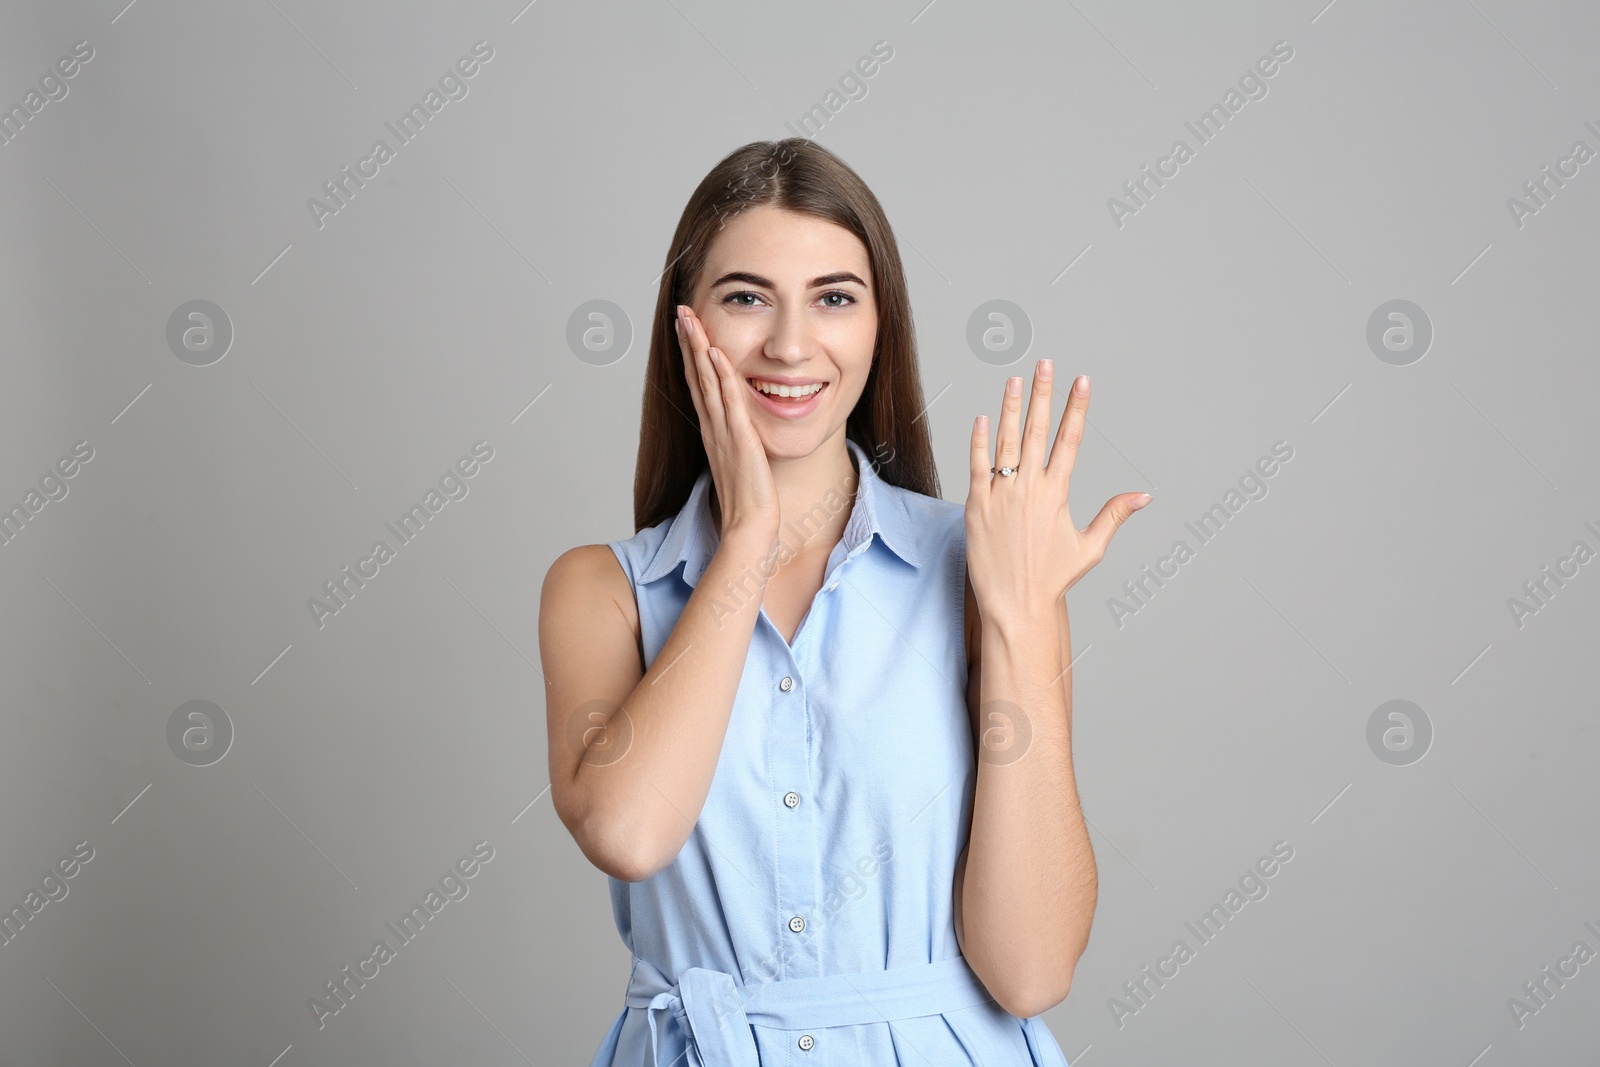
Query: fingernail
[(1082, 385), (1047, 369), (1014, 386), (1141, 500)]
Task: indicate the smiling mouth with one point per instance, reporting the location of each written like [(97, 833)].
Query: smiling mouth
[(798, 394)]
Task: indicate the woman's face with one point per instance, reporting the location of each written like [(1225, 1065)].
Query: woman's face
[(789, 298)]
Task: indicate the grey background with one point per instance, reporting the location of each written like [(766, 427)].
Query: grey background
[(431, 312)]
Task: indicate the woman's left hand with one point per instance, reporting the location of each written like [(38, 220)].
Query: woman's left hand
[(1023, 550)]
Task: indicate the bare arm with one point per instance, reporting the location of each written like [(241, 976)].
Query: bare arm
[(1026, 884), (632, 753), (1031, 886)]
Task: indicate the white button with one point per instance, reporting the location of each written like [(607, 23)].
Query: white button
[(832, 587), (791, 799), (787, 683), (797, 924), (806, 1042)]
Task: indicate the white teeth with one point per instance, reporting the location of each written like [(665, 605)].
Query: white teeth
[(785, 390)]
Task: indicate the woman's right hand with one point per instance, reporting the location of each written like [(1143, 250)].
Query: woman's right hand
[(746, 495)]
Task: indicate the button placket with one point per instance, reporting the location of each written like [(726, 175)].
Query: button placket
[(836, 570), (795, 860)]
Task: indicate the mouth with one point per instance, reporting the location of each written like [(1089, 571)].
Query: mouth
[(787, 407)]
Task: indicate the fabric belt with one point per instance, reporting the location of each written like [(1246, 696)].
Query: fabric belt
[(716, 1011)]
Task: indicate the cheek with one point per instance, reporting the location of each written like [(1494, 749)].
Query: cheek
[(732, 333), (854, 342), (721, 336), (862, 369)]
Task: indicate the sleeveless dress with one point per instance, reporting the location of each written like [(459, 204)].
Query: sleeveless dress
[(808, 918)]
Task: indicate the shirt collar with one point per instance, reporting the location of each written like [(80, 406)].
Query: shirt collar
[(880, 508)]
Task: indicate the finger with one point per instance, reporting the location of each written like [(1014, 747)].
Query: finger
[(978, 460), (710, 386), (1037, 425), (1112, 516), (733, 399), (742, 439), (1006, 449), (691, 376), (1064, 454)]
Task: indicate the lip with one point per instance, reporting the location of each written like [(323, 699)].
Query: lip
[(784, 381), (784, 409)]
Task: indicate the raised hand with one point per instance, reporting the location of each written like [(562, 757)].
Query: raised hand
[(746, 496), (1023, 550)]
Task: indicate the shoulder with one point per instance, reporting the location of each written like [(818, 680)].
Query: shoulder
[(921, 504), (939, 524), (582, 565), (941, 532), (584, 576), (943, 536)]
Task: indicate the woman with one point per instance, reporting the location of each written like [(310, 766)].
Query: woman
[(772, 744)]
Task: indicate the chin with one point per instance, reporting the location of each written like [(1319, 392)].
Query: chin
[(793, 443)]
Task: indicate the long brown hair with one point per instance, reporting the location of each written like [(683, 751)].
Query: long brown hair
[(798, 175)]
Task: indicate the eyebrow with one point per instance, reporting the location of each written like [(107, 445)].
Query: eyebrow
[(765, 283)]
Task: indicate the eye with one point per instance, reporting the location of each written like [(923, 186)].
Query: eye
[(737, 298)]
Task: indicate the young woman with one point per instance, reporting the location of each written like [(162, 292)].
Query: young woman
[(830, 837)]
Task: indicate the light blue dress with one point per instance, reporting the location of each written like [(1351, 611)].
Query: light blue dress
[(808, 917)]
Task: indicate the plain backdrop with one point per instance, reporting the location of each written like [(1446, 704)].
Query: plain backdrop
[(244, 850)]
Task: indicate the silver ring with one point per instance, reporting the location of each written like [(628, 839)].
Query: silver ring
[(1004, 472)]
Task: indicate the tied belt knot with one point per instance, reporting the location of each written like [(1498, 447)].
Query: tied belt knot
[(710, 1012)]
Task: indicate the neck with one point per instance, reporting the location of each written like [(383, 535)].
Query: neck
[(816, 495)]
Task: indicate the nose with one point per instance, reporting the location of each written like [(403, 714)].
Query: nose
[(790, 340)]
